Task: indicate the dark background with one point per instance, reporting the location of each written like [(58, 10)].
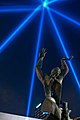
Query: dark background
[(16, 61)]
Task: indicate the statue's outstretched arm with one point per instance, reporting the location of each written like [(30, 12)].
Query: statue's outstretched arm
[(39, 65), (64, 66)]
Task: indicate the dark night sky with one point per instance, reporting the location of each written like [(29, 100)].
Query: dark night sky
[(16, 61)]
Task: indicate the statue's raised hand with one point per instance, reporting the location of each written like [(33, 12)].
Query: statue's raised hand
[(42, 53), (70, 58)]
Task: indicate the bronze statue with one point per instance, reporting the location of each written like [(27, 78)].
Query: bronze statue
[(52, 85)]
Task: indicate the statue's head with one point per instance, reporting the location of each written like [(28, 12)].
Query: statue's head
[(55, 72)]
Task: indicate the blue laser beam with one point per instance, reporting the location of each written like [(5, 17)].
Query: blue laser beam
[(46, 2), (35, 60), (41, 1), (63, 46), (52, 1), (19, 28), (15, 9), (66, 17)]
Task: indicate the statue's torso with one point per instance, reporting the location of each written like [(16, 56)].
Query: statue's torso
[(52, 88)]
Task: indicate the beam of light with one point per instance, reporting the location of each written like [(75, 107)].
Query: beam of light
[(63, 46), (46, 2), (19, 28), (35, 61), (52, 1), (41, 1), (15, 9), (66, 17)]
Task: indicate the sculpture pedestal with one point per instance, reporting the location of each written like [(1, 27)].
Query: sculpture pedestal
[(5, 116)]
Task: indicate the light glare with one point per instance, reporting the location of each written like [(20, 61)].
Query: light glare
[(45, 4)]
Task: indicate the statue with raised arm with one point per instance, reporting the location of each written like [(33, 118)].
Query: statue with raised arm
[(52, 85)]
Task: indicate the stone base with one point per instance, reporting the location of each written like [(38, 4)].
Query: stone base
[(5, 116)]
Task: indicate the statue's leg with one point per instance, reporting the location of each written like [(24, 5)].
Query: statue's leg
[(53, 110), (47, 106), (58, 112)]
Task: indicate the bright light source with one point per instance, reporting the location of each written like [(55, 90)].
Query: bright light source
[(45, 4), (38, 105), (45, 113)]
